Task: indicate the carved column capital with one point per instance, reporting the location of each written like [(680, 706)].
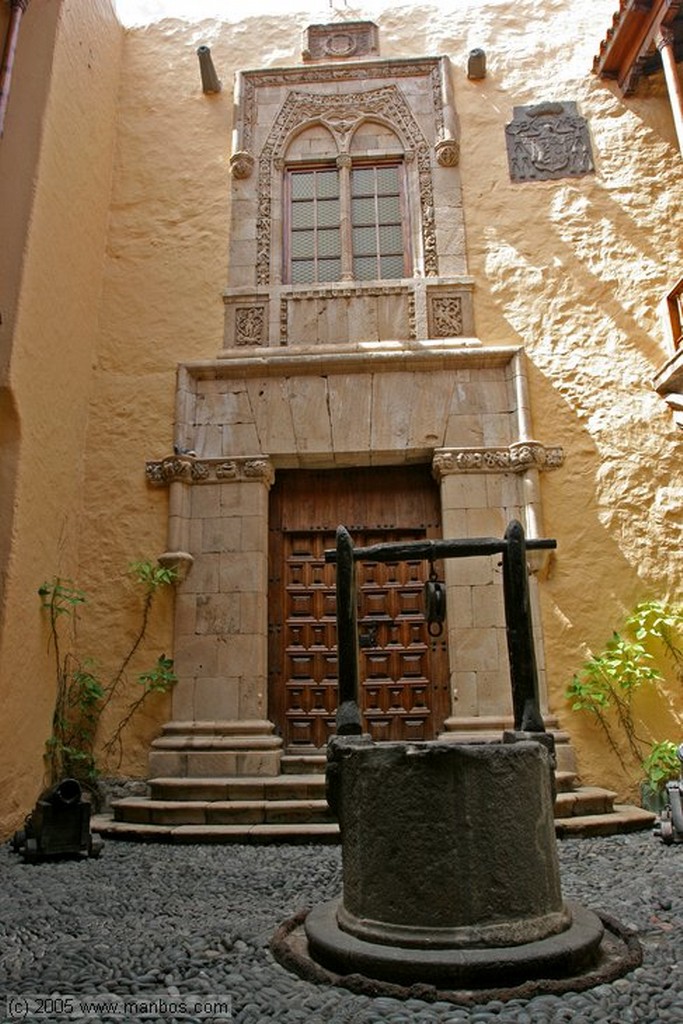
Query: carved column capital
[(209, 471), (516, 458)]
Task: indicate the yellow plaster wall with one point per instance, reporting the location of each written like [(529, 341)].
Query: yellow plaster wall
[(573, 270), (55, 170)]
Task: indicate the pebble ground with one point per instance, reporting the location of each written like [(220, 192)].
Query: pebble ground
[(154, 920)]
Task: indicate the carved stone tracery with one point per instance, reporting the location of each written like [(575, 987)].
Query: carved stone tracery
[(251, 81)]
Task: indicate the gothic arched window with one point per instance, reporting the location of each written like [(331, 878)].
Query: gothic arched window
[(346, 216)]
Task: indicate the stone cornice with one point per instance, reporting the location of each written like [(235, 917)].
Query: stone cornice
[(371, 357), (190, 470), (516, 458)]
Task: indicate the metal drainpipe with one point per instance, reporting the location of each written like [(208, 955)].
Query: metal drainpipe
[(665, 45), (18, 9)]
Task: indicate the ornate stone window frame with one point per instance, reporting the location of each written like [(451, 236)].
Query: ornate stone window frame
[(329, 100)]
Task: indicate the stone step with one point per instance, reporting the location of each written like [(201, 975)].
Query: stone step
[(311, 785), (565, 782), (275, 787), (311, 832), (143, 811), (303, 764), (584, 800), (623, 818)]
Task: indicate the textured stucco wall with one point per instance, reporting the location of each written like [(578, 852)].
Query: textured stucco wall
[(55, 174), (571, 269)]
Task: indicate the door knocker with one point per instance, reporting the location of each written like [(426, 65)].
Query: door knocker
[(434, 603)]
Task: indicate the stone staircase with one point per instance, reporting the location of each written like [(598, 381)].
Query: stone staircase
[(291, 807)]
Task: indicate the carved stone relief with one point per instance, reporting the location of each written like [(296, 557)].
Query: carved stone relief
[(450, 311), (251, 81), (246, 320), (446, 316), (250, 323), (548, 141), (341, 41)]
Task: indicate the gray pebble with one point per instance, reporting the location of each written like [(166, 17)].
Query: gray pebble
[(197, 920)]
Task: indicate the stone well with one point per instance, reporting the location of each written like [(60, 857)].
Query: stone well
[(450, 867)]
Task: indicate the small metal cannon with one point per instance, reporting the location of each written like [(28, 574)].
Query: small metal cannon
[(669, 828), (58, 826)]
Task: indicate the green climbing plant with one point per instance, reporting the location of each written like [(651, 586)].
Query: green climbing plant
[(82, 692), (631, 660)]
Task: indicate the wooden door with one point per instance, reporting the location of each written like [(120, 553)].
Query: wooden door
[(404, 671)]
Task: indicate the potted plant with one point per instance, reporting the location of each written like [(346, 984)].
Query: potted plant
[(662, 765)]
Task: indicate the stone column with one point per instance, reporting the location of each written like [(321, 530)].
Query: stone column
[(220, 724), (665, 45), (482, 489), (473, 506)]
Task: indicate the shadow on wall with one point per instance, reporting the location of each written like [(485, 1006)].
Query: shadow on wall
[(591, 587)]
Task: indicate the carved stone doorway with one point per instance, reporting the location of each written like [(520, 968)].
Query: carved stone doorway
[(404, 671)]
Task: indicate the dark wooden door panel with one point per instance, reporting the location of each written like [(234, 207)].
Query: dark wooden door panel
[(404, 671)]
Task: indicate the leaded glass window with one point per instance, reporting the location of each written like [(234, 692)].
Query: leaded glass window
[(315, 242), (376, 221), (355, 228)]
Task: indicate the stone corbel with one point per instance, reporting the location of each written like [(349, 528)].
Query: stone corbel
[(181, 561)]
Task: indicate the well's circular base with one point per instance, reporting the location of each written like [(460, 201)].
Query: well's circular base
[(568, 952), (617, 953)]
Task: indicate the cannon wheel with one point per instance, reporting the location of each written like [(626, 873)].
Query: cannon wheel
[(31, 852)]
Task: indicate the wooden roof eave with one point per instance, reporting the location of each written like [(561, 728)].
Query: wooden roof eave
[(633, 34)]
